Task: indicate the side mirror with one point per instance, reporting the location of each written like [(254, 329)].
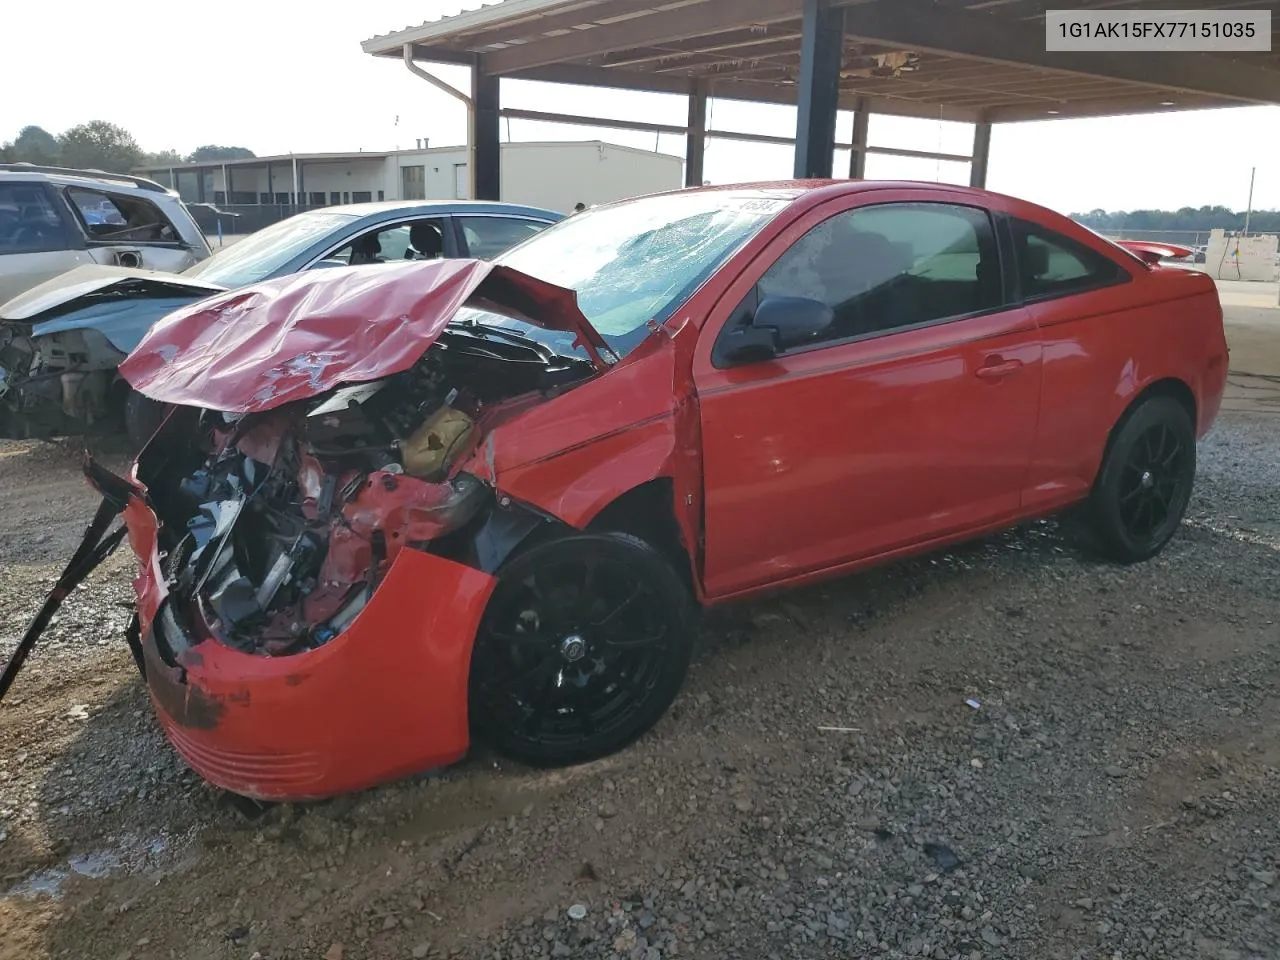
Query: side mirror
[(780, 323)]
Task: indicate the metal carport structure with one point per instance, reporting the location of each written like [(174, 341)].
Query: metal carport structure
[(978, 61)]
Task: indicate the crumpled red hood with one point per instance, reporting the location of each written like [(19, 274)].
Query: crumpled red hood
[(284, 340)]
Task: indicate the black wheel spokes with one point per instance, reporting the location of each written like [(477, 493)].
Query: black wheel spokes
[(1151, 482), (530, 676)]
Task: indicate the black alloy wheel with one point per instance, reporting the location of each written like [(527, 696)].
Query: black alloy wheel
[(583, 646), (1146, 479)]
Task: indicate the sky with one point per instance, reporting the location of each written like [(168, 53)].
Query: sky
[(281, 76)]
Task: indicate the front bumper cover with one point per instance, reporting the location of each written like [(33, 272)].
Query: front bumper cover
[(385, 698)]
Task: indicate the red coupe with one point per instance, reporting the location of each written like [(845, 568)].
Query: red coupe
[(392, 507)]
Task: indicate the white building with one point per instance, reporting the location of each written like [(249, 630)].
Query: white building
[(555, 176)]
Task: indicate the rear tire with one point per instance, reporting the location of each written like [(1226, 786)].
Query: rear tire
[(583, 646), (1144, 486), (142, 418)]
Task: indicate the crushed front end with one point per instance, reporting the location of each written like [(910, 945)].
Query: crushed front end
[(60, 383), (312, 577)]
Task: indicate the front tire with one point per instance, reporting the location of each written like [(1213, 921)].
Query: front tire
[(142, 418), (1144, 486), (583, 646)]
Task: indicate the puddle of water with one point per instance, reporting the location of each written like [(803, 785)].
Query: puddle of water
[(130, 855)]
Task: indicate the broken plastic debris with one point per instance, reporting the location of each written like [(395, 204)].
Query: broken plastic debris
[(840, 729), (79, 712), (974, 703), (577, 912)]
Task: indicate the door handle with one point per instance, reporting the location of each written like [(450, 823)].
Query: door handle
[(996, 367)]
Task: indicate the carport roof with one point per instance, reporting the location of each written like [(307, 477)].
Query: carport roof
[(969, 60)]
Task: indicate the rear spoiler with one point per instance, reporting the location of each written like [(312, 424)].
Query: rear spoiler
[(1149, 252)]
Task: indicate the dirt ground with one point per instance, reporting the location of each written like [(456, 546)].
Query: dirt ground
[(1008, 750)]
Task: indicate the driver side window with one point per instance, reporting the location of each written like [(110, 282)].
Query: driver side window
[(890, 266)]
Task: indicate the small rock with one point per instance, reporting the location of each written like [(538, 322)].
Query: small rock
[(334, 952), (856, 787), (625, 941), (1115, 771), (78, 712), (421, 951), (943, 856)]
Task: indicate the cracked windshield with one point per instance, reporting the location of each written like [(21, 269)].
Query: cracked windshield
[(638, 263)]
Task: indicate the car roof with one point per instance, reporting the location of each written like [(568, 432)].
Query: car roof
[(438, 207), (810, 193), (795, 189), (68, 176)]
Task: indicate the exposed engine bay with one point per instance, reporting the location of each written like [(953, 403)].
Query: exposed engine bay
[(55, 383), (276, 527)]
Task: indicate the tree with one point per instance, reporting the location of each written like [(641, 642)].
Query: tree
[(32, 145), (99, 145), (1184, 221), (163, 158), (211, 152)]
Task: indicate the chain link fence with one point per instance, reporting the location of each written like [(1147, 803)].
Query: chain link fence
[(1183, 238), (241, 218)]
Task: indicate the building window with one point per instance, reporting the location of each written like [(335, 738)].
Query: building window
[(219, 197), (335, 197), (317, 199), (381, 195), (283, 199), (346, 197), (361, 196), (264, 198), (413, 183)]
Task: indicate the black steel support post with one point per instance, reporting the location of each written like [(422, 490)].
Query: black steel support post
[(486, 146), (821, 55), (861, 124), (981, 154), (696, 138)]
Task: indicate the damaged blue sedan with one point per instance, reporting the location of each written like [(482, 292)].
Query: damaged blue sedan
[(61, 342)]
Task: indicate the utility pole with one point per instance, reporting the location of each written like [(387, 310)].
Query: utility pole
[(1249, 213)]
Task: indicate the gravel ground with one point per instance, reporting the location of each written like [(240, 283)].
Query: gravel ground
[(1010, 750)]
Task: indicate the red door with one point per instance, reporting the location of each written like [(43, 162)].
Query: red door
[(911, 420)]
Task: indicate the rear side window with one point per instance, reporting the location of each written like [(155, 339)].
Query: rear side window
[(489, 236), (121, 218), (1052, 265), (29, 222), (894, 265)]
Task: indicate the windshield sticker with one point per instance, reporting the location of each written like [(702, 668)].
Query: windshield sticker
[(763, 206)]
